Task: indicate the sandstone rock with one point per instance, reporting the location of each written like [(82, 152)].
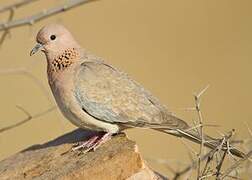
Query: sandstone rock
[(116, 159)]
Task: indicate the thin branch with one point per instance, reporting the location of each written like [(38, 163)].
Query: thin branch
[(24, 111), (207, 176), (194, 164), (6, 32), (249, 130), (42, 15), (25, 72), (202, 92), (197, 126), (218, 167), (11, 8), (236, 165), (28, 118), (200, 122), (15, 5), (210, 158), (206, 168)]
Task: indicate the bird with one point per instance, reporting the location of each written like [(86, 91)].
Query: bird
[(97, 96)]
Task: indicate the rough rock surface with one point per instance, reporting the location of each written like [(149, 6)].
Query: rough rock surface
[(117, 159)]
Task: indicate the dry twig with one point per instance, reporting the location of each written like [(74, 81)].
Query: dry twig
[(15, 5), (6, 31), (28, 118), (200, 122), (236, 165), (25, 72), (42, 15), (11, 8)]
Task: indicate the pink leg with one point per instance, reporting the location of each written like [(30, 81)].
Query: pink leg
[(93, 143)]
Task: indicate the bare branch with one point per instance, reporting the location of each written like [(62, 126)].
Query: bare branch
[(249, 130), (28, 118), (208, 156), (25, 72), (200, 122), (206, 168), (202, 92), (42, 15), (15, 5), (194, 164), (11, 8), (207, 176), (24, 111), (236, 165), (6, 32), (218, 167)]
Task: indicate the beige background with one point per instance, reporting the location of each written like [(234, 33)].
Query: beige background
[(173, 48)]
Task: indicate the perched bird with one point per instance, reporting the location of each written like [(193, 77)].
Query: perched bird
[(97, 96)]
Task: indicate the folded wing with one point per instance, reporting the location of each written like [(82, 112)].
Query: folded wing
[(110, 95)]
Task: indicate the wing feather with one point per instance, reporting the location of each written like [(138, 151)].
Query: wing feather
[(110, 95)]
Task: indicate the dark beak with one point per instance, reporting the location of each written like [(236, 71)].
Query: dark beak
[(36, 49)]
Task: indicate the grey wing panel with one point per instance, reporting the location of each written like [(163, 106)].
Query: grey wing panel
[(96, 110), (94, 90), (111, 96)]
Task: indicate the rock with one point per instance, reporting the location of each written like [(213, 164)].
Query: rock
[(116, 159)]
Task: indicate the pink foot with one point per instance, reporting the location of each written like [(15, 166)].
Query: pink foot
[(92, 143)]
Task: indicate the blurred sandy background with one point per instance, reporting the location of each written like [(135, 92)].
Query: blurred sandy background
[(173, 48)]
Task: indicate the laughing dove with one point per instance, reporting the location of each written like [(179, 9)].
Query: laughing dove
[(95, 95)]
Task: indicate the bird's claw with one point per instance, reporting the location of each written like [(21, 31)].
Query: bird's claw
[(92, 143)]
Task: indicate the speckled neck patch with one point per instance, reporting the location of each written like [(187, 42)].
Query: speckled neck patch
[(64, 60)]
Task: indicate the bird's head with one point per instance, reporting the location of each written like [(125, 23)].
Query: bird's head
[(53, 39), (57, 43)]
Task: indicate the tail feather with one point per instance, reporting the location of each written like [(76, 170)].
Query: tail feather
[(210, 142)]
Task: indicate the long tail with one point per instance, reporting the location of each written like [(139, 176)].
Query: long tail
[(209, 142)]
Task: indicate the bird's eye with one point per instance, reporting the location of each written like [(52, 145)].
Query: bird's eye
[(52, 37)]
